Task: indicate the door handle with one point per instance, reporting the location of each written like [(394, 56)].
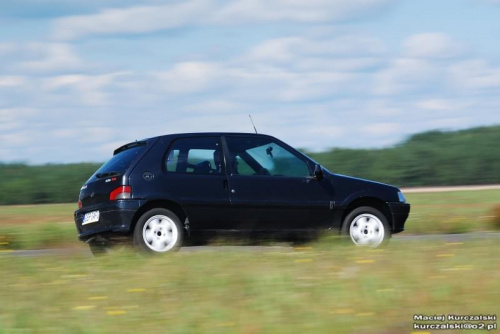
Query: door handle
[(309, 179)]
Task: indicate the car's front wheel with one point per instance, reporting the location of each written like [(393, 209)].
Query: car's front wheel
[(158, 231), (366, 226)]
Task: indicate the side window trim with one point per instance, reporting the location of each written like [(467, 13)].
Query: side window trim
[(226, 165)]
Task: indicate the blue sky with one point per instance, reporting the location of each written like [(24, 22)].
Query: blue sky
[(78, 79)]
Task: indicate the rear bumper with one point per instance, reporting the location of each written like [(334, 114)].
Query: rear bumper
[(399, 212), (114, 217)]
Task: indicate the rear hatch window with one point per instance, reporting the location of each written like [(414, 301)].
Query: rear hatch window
[(122, 159), (98, 188)]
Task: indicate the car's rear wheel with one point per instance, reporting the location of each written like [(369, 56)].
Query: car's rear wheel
[(158, 231), (366, 226)]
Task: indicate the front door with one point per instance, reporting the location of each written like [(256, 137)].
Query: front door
[(271, 187)]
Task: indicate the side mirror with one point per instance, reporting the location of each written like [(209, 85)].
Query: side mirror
[(318, 172)]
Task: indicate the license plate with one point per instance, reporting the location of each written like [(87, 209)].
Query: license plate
[(90, 217)]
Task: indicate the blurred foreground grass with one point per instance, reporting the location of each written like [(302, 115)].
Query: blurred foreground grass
[(452, 212), (327, 287), (37, 226), (51, 225)]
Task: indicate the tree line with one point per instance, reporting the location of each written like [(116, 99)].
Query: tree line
[(433, 158), (427, 159)]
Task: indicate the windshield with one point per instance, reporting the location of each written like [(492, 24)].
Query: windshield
[(120, 162)]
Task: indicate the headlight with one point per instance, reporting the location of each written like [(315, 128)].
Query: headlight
[(401, 197)]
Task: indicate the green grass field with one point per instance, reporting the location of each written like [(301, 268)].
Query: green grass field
[(324, 287), (451, 212), (37, 226), (51, 226)]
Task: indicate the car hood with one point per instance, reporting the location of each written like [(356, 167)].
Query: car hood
[(350, 188)]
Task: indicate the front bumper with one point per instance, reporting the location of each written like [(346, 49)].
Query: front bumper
[(399, 212), (114, 217)]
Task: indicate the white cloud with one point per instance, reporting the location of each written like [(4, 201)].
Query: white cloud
[(6, 48), (49, 57), (189, 77), (447, 123), (17, 139), (12, 80), (475, 76), (405, 75), (314, 90), (144, 19), (97, 134), (138, 19), (310, 86), (329, 134), (327, 64), (14, 118), (87, 89), (312, 11), (7, 115), (342, 55), (275, 50), (296, 75), (290, 49), (40, 57), (383, 108), (66, 133), (432, 45), (219, 107), (380, 129), (442, 105)]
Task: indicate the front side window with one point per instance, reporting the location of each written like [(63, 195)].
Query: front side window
[(195, 156), (263, 156)]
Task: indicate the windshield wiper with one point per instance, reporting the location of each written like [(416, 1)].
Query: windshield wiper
[(111, 173)]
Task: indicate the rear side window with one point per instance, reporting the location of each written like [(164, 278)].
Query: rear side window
[(121, 161), (195, 156)]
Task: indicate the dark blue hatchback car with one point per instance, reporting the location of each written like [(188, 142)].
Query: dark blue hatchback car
[(159, 191)]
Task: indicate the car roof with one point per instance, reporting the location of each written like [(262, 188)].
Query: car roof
[(190, 134), (216, 133), (196, 134)]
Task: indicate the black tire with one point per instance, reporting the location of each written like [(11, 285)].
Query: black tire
[(366, 226), (166, 234)]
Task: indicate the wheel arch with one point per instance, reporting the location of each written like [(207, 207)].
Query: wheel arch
[(159, 203), (371, 202)]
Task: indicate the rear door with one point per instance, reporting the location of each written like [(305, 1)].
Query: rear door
[(271, 187), (195, 173)]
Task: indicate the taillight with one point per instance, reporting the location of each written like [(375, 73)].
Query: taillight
[(79, 204), (122, 192)]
